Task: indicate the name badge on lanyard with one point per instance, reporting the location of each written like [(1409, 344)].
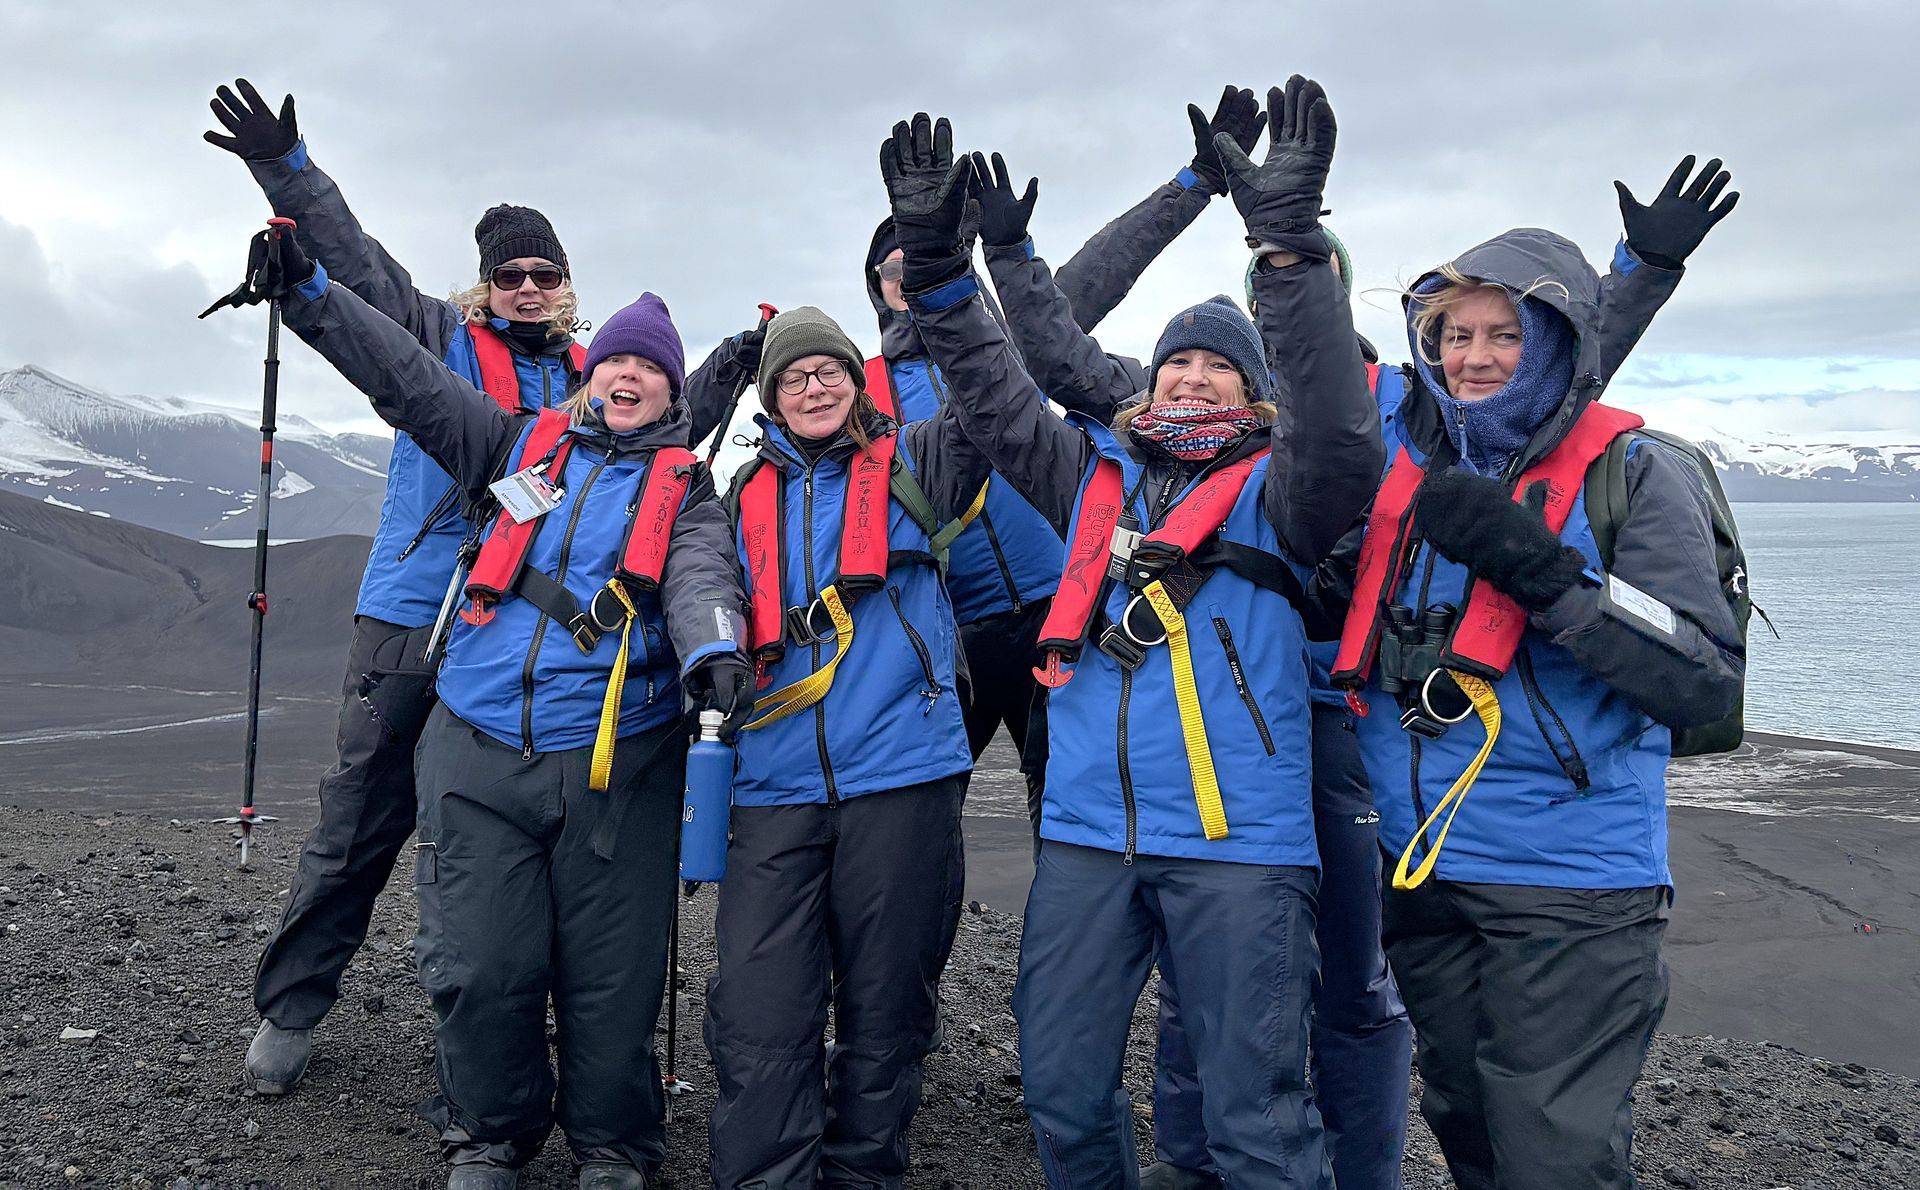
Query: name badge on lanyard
[(526, 495)]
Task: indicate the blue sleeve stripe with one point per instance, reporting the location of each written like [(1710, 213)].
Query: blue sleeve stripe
[(951, 294), (296, 158), (705, 651), (1187, 178), (1026, 248), (315, 287), (1624, 261)]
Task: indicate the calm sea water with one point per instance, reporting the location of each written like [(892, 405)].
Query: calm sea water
[(1842, 584)]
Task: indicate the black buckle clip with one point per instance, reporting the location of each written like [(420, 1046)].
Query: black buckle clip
[(800, 621), (584, 636), (1115, 643)]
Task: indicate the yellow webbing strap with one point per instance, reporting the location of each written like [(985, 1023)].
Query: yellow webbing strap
[(798, 696), (1488, 706), (949, 532), (602, 770), (1206, 787)]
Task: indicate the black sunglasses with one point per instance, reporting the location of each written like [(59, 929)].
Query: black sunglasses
[(544, 276)]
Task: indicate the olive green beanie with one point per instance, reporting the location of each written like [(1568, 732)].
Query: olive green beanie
[(800, 332)]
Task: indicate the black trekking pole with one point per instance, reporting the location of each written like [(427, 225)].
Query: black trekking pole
[(249, 292), (670, 1084), (720, 432)]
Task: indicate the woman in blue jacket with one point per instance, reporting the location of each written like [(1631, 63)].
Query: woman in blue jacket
[(846, 820), (551, 769), (1178, 815)]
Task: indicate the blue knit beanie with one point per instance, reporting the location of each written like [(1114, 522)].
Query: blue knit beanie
[(644, 329), (1217, 325)]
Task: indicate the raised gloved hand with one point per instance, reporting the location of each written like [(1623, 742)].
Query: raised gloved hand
[(724, 683), (1003, 215), (1472, 520), (928, 192), (258, 134), (1666, 231), (1238, 116), (1280, 197), (277, 264), (743, 350)]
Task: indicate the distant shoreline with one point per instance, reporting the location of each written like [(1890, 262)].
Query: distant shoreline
[(1887, 752)]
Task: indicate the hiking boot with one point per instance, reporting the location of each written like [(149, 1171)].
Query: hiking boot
[(1161, 1176), (277, 1058), (481, 1176), (611, 1175)]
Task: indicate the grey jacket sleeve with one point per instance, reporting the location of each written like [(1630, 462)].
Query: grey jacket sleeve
[(711, 387), (301, 191), (460, 427), (997, 404), (1066, 363), (1327, 455), (1106, 267), (700, 586), (1630, 295), (1679, 659)]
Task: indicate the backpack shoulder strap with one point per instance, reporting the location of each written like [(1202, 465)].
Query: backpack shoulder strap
[(913, 500), (1606, 495)]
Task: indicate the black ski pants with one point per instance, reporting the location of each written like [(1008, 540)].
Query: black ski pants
[(840, 904), (366, 814), (1532, 1011), (532, 887)]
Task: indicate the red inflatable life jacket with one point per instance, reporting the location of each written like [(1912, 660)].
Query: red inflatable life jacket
[(1186, 527), (1488, 629), (501, 570), (880, 387), (498, 377), (863, 548)]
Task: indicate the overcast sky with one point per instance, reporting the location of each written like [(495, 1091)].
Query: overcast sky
[(724, 154)]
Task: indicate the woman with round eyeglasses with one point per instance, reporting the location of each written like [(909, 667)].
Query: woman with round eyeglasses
[(846, 802)]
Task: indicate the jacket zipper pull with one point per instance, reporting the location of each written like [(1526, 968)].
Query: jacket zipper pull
[(932, 697), (526, 751), (1126, 857)]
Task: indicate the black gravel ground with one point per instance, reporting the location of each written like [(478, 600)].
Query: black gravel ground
[(141, 934)]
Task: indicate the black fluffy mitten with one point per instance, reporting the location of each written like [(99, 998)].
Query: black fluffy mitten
[(1475, 522)]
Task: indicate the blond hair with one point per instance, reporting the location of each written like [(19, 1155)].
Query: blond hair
[(565, 304), (1429, 310)]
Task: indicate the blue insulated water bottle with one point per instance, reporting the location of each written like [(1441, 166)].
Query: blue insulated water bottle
[(703, 821)]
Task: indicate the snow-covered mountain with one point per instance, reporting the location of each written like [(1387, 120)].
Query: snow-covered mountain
[(185, 468), (1814, 469)]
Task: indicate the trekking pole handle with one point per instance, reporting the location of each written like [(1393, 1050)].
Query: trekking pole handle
[(767, 313), (276, 223)]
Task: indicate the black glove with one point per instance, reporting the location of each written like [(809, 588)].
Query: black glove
[(744, 349), (724, 683), (1666, 231), (1238, 115), (277, 264), (1003, 217), (1280, 197), (928, 191), (258, 135), (1474, 521)]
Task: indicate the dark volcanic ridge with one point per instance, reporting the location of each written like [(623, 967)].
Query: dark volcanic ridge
[(126, 952)]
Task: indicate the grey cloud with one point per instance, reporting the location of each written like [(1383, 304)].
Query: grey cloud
[(726, 156)]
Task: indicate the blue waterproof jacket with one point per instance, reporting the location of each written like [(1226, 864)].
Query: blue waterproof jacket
[(519, 676), (1251, 671), (422, 518), (1574, 793), (1118, 775), (892, 717), (1009, 557)]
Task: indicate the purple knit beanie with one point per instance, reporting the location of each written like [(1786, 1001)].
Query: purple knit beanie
[(644, 329)]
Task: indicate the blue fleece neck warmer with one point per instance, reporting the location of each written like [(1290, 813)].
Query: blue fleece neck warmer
[(1491, 431)]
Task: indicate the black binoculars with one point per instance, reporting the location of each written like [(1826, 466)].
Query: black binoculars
[(1411, 645)]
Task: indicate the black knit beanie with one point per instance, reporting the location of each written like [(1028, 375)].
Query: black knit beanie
[(508, 232)]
